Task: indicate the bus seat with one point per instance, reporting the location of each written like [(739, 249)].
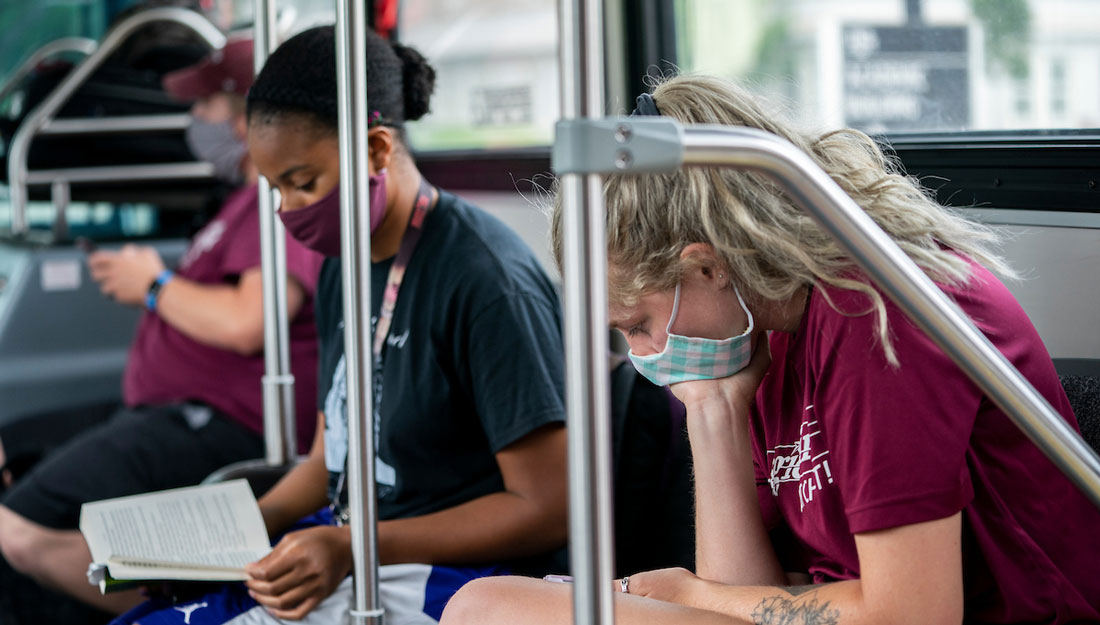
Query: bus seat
[(1083, 392), (654, 501)]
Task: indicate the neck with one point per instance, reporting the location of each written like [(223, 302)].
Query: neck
[(785, 316), (402, 185)]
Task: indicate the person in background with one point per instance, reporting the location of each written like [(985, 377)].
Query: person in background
[(467, 377), (847, 471), (192, 384)]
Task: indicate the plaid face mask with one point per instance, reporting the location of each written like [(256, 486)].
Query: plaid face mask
[(687, 358)]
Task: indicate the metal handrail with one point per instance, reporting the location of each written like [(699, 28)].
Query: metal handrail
[(82, 45), (616, 147), (160, 171), (44, 112), (587, 392), (351, 81), (115, 125), (280, 432)]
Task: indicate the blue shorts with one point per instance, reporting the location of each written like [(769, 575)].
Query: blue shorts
[(411, 594)]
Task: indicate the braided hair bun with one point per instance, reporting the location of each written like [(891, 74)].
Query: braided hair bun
[(299, 78)]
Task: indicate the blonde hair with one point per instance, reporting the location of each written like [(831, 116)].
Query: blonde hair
[(771, 246)]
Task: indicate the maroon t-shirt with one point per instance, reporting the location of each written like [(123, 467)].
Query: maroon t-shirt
[(166, 366), (844, 443)]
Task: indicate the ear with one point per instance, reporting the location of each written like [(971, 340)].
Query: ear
[(700, 262), (382, 142)]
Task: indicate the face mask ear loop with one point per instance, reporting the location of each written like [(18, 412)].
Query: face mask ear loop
[(745, 308), (675, 309)]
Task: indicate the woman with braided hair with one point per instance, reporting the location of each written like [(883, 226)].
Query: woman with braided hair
[(467, 376)]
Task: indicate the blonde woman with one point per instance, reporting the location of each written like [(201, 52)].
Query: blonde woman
[(848, 472)]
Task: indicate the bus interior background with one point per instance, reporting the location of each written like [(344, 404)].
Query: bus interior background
[(993, 104)]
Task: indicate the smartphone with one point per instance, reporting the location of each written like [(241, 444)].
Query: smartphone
[(564, 579), (85, 244)]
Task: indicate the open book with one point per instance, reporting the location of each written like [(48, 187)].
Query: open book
[(200, 533)]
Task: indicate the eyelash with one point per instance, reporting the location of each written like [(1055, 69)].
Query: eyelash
[(307, 187), (633, 331)]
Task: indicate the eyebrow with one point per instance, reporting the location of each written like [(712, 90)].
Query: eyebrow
[(286, 174)]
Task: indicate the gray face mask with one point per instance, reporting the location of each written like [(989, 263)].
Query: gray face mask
[(217, 144)]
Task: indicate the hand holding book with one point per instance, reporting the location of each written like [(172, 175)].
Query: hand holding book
[(203, 533)]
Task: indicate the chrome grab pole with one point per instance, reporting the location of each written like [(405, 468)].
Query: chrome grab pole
[(280, 434), (586, 327), (130, 173), (351, 80), (44, 112), (905, 283)]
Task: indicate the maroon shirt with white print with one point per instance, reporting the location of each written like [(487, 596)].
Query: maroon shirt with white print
[(166, 366), (844, 443)]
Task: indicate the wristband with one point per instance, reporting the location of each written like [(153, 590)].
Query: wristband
[(162, 279)]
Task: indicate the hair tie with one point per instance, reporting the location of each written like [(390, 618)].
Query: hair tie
[(375, 119), (646, 106)]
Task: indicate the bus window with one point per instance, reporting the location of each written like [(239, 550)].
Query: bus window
[(907, 65), (497, 81)]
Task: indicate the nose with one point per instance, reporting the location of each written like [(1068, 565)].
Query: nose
[(640, 345)]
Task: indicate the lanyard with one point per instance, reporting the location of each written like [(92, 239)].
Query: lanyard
[(421, 209)]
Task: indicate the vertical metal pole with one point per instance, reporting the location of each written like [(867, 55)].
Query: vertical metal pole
[(351, 80), (586, 329), (280, 436), (61, 197)]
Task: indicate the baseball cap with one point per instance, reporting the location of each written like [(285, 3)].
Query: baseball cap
[(227, 70)]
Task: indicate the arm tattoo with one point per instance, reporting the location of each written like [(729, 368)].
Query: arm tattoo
[(780, 610)]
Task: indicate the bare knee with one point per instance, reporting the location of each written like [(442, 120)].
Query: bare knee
[(21, 541), (474, 602), (492, 600)]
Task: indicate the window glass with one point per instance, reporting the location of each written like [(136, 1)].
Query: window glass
[(27, 26), (496, 71), (906, 65)]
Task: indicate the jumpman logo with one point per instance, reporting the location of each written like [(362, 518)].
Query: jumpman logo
[(188, 609)]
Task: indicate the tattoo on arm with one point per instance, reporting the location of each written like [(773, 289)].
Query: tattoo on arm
[(780, 610)]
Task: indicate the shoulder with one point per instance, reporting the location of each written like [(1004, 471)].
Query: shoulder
[(477, 252), (837, 315), (241, 205)]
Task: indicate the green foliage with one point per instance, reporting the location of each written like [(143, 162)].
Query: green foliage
[(1007, 25), (774, 52)]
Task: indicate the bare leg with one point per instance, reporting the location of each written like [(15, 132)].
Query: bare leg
[(511, 600), (58, 559)]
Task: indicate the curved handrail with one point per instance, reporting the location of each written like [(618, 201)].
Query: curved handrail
[(652, 144), (66, 44), (44, 112)]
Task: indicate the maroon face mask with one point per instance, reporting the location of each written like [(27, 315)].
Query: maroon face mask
[(317, 226)]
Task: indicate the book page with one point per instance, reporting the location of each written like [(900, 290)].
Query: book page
[(213, 530)]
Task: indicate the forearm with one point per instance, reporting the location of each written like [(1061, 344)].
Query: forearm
[(732, 544), (495, 527), (213, 314), (840, 603), (302, 491)]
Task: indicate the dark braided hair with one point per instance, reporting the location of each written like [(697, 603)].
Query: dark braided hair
[(299, 78)]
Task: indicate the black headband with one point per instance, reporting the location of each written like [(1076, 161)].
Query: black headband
[(646, 106)]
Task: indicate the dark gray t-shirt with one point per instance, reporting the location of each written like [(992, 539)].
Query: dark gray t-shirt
[(472, 364)]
